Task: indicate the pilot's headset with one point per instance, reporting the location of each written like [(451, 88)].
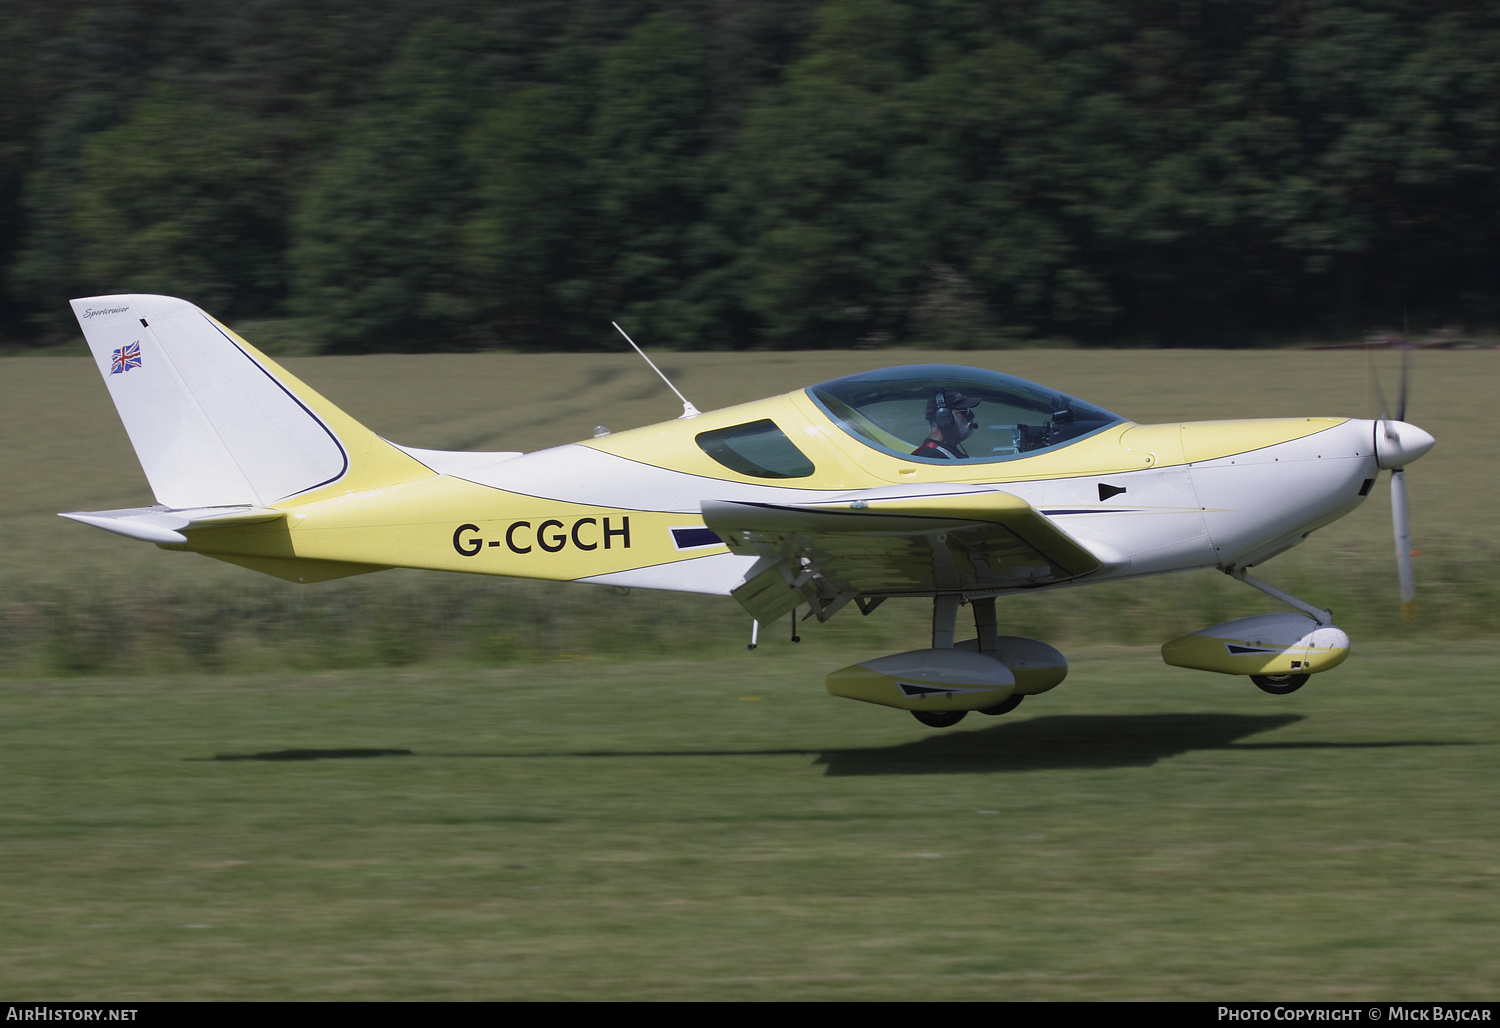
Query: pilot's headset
[(941, 408), (942, 415)]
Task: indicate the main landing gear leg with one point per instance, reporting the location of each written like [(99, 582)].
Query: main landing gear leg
[(944, 623), (989, 643), (984, 626)]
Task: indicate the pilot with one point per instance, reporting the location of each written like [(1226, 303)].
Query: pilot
[(951, 415)]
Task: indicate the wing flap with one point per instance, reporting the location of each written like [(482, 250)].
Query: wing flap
[(766, 593)]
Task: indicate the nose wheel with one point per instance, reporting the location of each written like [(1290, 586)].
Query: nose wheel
[(1279, 685)]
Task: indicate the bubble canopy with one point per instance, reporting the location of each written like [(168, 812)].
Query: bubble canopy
[(889, 409)]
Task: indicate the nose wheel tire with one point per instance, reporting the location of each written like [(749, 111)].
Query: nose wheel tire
[(939, 718), (1006, 705), (1279, 685)]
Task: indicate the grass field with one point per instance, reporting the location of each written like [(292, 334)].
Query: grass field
[(608, 797), (724, 830)]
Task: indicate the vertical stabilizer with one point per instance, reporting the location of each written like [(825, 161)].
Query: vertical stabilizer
[(215, 422)]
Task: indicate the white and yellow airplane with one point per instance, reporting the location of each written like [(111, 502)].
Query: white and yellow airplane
[(953, 483)]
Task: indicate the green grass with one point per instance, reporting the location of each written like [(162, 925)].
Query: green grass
[(725, 830)]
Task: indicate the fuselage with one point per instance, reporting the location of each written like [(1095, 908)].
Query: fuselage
[(625, 509)]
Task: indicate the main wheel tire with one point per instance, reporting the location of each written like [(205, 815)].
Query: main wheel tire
[(1006, 705), (939, 718), (1279, 685)]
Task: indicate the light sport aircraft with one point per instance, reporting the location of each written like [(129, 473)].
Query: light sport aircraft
[(936, 481)]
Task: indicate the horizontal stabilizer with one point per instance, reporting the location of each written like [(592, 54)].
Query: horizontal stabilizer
[(164, 525)]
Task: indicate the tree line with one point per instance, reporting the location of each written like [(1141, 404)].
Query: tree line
[(713, 174)]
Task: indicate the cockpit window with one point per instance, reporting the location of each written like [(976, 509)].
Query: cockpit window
[(889, 410), (758, 449)]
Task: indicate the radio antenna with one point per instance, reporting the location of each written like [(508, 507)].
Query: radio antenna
[(688, 410)]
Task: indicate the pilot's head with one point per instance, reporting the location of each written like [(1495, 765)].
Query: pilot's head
[(952, 414)]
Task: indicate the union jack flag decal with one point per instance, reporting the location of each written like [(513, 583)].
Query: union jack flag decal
[(125, 358)]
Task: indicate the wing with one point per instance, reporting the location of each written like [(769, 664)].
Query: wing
[(887, 543)]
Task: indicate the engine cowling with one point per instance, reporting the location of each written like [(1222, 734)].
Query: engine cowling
[(1266, 644)]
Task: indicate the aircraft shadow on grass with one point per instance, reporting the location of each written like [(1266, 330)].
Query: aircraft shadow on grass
[(308, 754), (1068, 741), (1052, 743), (1057, 742), (1077, 741)]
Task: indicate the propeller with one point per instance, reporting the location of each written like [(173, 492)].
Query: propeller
[(1401, 523), (1397, 444)]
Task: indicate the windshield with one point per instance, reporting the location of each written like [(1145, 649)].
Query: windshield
[(998, 417)]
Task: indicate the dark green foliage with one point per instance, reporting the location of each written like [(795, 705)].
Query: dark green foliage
[(821, 207), (650, 182), (180, 198), (590, 193), (778, 174), (377, 229), (521, 242)]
